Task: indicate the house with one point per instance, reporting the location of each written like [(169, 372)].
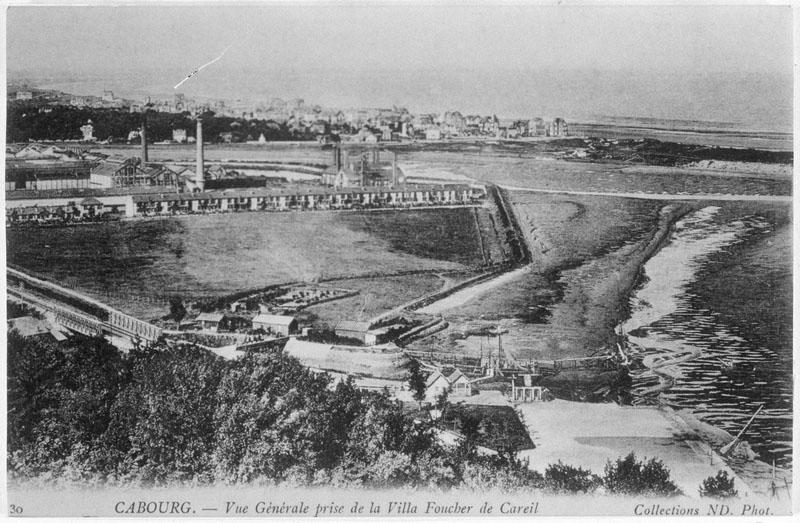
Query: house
[(535, 127), (281, 325), (91, 206), (179, 135), (523, 390), (435, 385), (88, 132), (211, 321), (457, 384), (433, 134), (460, 385), (357, 330), (24, 95), (30, 327)]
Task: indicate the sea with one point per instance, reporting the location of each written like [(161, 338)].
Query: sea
[(720, 292), (685, 99)]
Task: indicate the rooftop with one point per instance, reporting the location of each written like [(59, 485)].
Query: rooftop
[(273, 319), (357, 326), (210, 316)]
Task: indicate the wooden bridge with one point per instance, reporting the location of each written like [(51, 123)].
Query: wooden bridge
[(76, 311)]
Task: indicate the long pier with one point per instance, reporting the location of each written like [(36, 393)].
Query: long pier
[(77, 311)]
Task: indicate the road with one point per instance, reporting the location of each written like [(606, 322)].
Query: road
[(471, 292), (661, 196)]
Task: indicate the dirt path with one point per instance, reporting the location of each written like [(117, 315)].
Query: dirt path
[(661, 196), (469, 293)]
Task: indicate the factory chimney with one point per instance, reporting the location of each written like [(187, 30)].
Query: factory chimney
[(199, 176), (394, 168), (144, 138), (337, 158)]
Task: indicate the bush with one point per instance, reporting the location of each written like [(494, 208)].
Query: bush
[(565, 478), (719, 486), (629, 476)]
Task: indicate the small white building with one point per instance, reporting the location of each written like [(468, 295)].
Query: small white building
[(433, 134), (457, 384), (357, 330), (524, 391), (460, 385), (179, 135), (281, 325), (211, 321), (435, 385)]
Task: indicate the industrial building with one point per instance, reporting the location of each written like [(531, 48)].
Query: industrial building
[(362, 166), (359, 179), (38, 167)]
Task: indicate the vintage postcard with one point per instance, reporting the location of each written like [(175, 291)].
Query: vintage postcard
[(398, 259)]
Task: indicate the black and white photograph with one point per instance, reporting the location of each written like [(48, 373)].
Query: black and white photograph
[(399, 259)]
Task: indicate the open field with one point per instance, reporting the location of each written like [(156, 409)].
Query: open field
[(376, 296), (449, 234), (219, 254)]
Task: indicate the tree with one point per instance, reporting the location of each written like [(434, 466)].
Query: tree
[(629, 476), (565, 478), (719, 486), (442, 400), (177, 311), (416, 381)]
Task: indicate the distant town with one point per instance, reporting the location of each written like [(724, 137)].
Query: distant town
[(300, 119)]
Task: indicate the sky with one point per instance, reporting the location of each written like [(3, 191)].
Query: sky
[(439, 44), (754, 38)]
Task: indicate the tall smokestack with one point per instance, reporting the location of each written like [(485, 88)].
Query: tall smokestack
[(144, 138), (394, 168), (199, 176), (337, 158)]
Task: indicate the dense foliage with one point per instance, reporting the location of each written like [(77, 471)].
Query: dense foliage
[(719, 486), (629, 476), (566, 478), (82, 411), (62, 122)]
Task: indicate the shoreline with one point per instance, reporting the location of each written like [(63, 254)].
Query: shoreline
[(755, 474)]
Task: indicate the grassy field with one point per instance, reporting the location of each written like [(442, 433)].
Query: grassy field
[(376, 296), (442, 234), (209, 255)]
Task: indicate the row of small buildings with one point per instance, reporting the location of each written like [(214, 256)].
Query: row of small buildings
[(318, 198), (453, 124)]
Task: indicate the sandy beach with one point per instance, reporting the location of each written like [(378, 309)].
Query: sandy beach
[(588, 435)]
